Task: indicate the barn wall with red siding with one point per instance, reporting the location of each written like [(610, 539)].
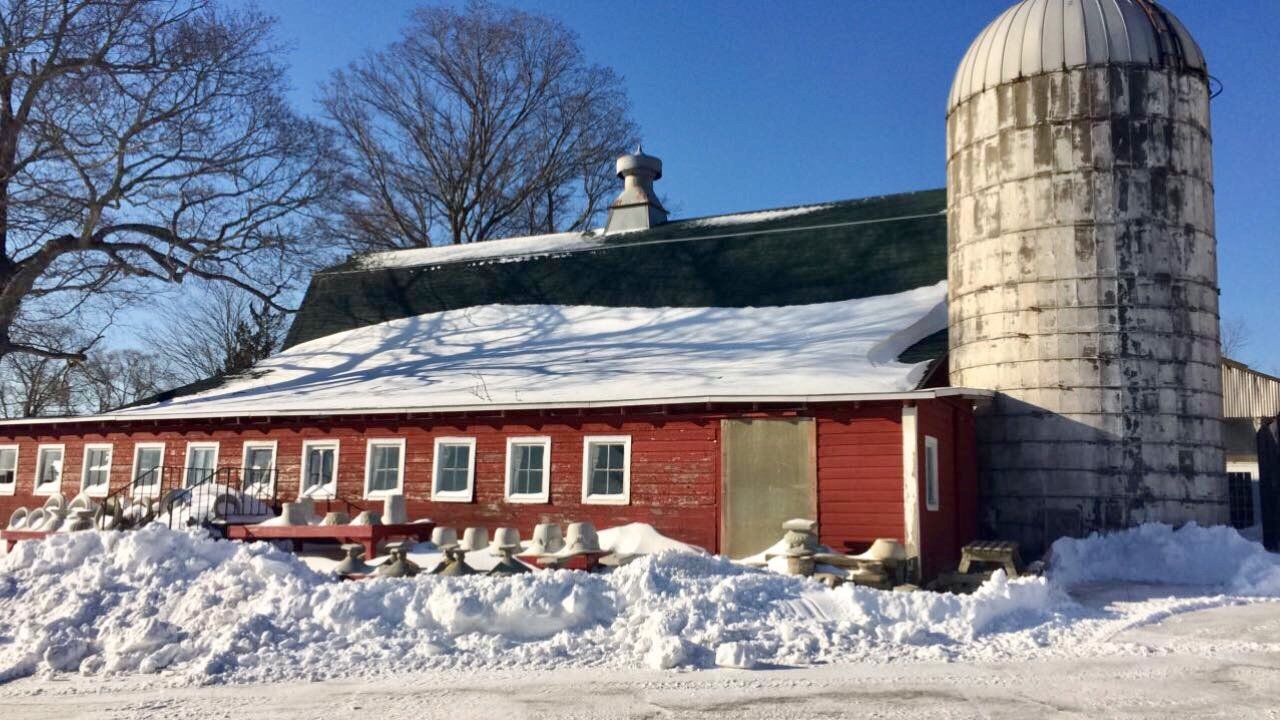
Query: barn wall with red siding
[(945, 530), (675, 464), (860, 476)]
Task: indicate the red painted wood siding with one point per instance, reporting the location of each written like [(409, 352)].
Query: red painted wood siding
[(860, 476), (943, 532), (675, 464)]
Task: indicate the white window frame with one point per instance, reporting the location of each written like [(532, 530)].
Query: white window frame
[(463, 496), (153, 488), (11, 488), (84, 469), (369, 492), (200, 445), (932, 491), (271, 445), (540, 497), (52, 488), (329, 490), (625, 497)]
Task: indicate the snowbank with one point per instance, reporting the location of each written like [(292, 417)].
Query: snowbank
[(1216, 557), (202, 610), (206, 610)]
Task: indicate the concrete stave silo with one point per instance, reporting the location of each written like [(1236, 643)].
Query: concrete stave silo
[(1083, 270)]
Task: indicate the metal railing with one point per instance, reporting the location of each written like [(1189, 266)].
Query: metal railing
[(185, 496)]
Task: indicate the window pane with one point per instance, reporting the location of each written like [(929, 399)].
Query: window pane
[(49, 467), (385, 467), (454, 461), (599, 482), (8, 466), (200, 464), (526, 469), (97, 467), (257, 464), (148, 471), (608, 463), (319, 470)]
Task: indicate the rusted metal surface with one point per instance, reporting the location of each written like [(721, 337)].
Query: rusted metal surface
[(1083, 287), (1247, 393)]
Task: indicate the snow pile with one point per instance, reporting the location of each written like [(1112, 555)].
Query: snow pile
[(550, 355), (1216, 557), (640, 539), (203, 610)]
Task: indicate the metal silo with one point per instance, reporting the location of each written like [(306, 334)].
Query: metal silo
[(1083, 268)]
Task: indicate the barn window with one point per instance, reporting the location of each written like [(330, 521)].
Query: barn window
[(528, 469), (202, 462), (320, 468), (148, 467), (383, 468), (259, 479), (95, 477), (606, 470), (454, 474), (48, 469), (931, 472), (8, 469)]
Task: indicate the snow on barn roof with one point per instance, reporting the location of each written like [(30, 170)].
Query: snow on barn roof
[(510, 356)]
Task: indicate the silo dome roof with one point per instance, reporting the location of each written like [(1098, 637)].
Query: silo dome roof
[(1036, 36)]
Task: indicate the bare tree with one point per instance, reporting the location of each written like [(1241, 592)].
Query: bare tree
[(1234, 336), (476, 124), (33, 385), (115, 378), (223, 331), (141, 140)]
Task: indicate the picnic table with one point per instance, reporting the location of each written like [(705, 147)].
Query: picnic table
[(367, 535)]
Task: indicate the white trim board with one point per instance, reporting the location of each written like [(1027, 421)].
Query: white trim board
[(910, 481)]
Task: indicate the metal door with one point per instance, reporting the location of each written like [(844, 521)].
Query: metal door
[(769, 471)]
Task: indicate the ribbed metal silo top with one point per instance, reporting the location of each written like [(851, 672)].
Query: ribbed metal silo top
[(1038, 36)]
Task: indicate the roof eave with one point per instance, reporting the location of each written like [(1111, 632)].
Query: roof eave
[(974, 394)]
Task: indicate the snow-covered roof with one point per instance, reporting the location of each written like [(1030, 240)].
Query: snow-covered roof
[(508, 356)]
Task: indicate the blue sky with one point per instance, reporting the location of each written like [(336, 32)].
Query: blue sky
[(764, 104)]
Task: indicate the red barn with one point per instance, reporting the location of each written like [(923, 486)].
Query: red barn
[(710, 377)]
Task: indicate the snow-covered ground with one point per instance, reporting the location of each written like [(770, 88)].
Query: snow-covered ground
[(197, 610)]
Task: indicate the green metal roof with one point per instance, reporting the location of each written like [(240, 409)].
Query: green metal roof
[(840, 251)]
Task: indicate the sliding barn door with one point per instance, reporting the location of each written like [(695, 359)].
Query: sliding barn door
[(770, 476)]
